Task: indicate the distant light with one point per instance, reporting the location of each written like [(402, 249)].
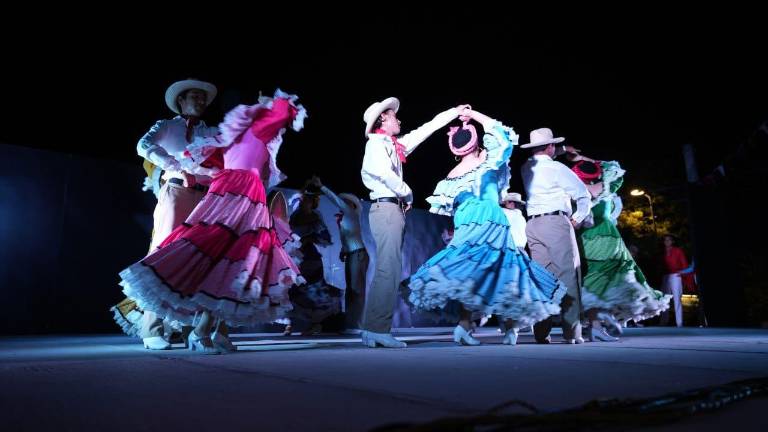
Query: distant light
[(637, 192)]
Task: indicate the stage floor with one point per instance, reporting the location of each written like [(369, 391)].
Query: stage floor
[(329, 383)]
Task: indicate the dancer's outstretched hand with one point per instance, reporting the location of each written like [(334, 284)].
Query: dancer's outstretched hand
[(464, 110)]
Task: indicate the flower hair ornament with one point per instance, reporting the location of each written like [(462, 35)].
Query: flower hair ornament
[(588, 172)]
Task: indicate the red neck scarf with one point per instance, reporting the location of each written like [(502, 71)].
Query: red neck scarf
[(399, 148)]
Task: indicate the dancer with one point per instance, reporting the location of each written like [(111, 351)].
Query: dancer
[(382, 173), (614, 287), (550, 187), (353, 253), (509, 202), (315, 301), (481, 268), (163, 148), (226, 263)]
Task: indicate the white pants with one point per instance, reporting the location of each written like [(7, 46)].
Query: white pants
[(673, 284)]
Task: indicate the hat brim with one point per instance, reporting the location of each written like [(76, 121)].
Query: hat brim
[(543, 143), (181, 86), (379, 107)]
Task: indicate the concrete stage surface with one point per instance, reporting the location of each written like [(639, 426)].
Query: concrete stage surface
[(333, 383)]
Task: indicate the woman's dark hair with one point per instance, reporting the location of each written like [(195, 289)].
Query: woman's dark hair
[(588, 167), (461, 138)]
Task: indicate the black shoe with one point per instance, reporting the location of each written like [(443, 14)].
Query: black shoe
[(176, 338)]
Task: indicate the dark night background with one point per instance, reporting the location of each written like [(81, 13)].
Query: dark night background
[(628, 85)]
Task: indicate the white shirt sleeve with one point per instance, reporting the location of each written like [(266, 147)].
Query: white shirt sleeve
[(417, 136), (150, 150)]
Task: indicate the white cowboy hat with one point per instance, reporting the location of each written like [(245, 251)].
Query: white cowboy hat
[(181, 86), (540, 137), (512, 196), (374, 111)]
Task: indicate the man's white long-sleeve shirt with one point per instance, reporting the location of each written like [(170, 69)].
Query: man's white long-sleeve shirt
[(382, 171), (550, 186)]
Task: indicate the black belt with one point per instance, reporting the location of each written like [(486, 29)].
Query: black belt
[(554, 213), (197, 186), (344, 255), (391, 200)]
